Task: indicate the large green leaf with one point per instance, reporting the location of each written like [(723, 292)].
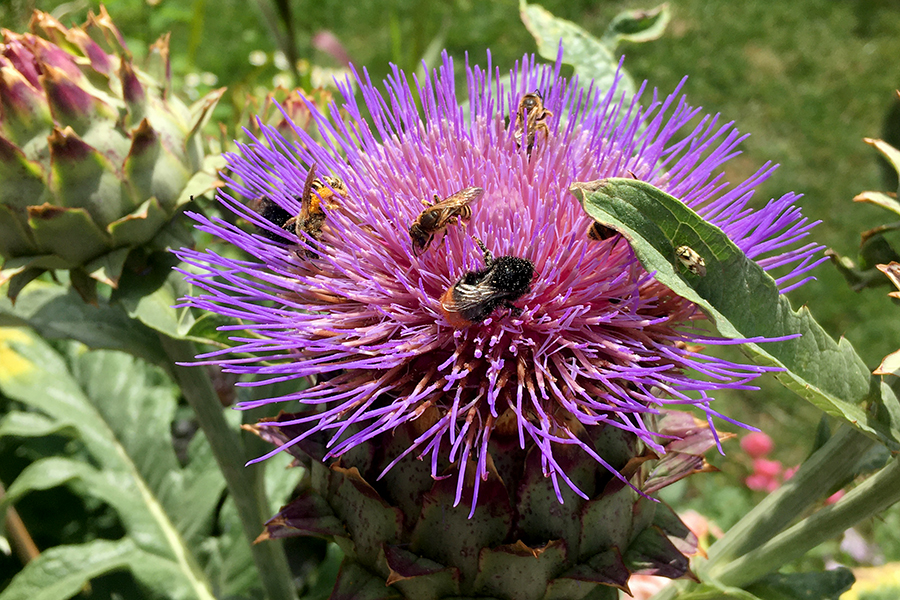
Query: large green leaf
[(57, 312), (593, 58), (120, 410), (743, 302), (63, 571)]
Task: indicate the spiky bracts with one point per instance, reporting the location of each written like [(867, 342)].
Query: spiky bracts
[(97, 155)]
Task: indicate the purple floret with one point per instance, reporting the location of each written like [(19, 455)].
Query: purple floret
[(595, 341)]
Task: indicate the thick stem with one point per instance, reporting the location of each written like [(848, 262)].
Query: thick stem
[(827, 467), (869, 498), (227, 448)]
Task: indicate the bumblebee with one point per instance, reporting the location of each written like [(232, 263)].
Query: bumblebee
[(477, 294), (440, 215), (598, 232), (311, 217), (531, 116), (273, 213), (691, 259)]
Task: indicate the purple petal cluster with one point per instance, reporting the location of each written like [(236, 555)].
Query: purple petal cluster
[(595, 341)]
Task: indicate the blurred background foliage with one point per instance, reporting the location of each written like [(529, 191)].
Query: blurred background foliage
[(809, 79)]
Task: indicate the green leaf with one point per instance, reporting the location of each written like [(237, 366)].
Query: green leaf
[(63, 571), (121, 411), (743, 302), (825, 585), (591, 58), (59, 313), (151, 295), (637, 26), (879, 199), (889, 152), (710, 590)]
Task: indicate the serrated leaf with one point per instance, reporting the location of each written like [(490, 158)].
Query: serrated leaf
[(121, 412), (591, 58), (824, 585), (743, 302)]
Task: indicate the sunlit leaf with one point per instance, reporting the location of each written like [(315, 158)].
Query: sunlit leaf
[(825, 585), (591, 58), (120, 410), (743, 302)]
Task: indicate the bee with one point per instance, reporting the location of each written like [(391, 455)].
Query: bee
[(311, 217), (477, 294), (598, 232), (690, 259), (442, 213), (273, 213), (531, 116)]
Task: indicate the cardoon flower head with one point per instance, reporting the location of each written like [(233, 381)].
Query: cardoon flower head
[(589, 342)]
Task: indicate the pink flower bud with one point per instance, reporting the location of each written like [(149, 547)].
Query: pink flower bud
[(758, 482), (769, 468), (757, 444)]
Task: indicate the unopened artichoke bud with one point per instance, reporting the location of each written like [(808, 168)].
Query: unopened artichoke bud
[(96, 155), (524, 538)]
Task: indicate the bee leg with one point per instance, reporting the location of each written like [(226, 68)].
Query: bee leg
[(488, 256), (515, 310)]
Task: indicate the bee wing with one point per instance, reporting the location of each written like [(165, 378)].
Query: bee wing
[(306, 198), (464, 297), (461, 198)]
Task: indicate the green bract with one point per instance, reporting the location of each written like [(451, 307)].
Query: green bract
[(400, 528), (96, 156)]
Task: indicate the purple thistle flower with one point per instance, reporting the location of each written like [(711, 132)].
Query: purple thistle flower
[(594, 340)]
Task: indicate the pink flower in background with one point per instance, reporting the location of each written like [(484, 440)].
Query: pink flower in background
[(757, 444)]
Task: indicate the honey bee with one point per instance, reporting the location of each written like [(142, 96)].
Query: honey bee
[(690, 259), (311, 217), (534, 120), (477, 294), (440, 215)]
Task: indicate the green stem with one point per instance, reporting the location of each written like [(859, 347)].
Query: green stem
[(227, 448), (867, 499), (828, 466)]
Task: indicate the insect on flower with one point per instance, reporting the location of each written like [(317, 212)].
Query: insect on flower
[(478, 293), (691, 259), (531, 116), (598, 232), (311, 217), (438, 216)]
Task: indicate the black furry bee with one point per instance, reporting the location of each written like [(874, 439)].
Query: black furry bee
[(311, 217), (477, 294), (274, 214)]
